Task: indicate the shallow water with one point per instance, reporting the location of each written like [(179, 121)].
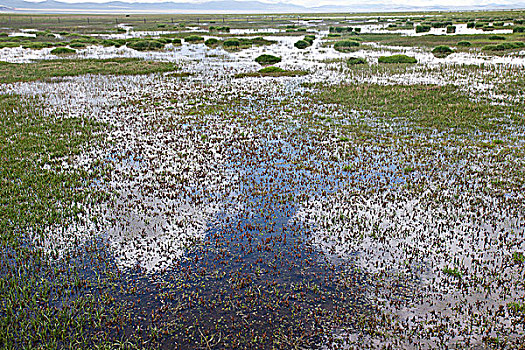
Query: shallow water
[(309, 58)]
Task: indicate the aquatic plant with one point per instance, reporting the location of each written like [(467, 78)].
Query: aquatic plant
[(452, 272), (451, 29), (77, 45), (464, 43), (518, 257), (42, 69), (517, 308), (273, 72), (340, 29), (504, 46), (37, 45), (307, 224), (271, 69), (397, 59), (346, 45), (355, 60)]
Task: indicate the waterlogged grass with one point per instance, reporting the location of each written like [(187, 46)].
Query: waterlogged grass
[(518, 257), (145, 45), (12, 72), (42, 299), (442, 51), (63, 51), (355, 61), (464, 43), (194, 39), (452, 272), (234, 44), (273, 71), (397, 59), (505, 46), (346, 45), (420, 106), (430, 41), (81, 41)]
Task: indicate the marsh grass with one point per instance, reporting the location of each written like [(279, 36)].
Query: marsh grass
[(273, 72), (464, 43), (430, 41), (352, 61), (63, 51), (81, 41), (421, 106), (12, 72), (518, 257), (453, 272), (346, 45), (194, 39), (505, 46), (397, 59), (145, 44), (43, 304)]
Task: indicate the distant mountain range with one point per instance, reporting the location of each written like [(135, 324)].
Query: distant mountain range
[(226, 6)]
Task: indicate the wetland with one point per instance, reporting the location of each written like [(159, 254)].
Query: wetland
[(293, 182)]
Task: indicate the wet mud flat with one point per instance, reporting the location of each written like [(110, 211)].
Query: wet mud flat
[(321, 211)]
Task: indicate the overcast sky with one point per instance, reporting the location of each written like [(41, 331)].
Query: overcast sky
[(344, 2)]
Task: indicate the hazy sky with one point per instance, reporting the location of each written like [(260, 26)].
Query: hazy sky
[(346, 2)]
